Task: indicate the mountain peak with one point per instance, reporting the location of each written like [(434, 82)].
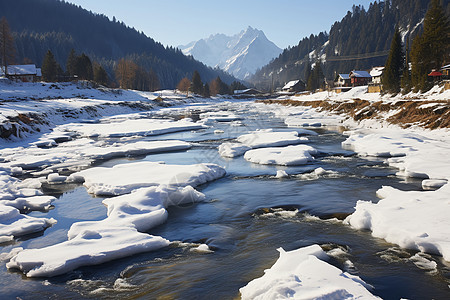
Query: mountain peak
[(241, 54)]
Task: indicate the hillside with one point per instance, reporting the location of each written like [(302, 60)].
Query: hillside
[(241, 54), (360, 40), (39, 25)]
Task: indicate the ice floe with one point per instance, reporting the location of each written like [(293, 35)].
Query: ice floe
[(285, 156), (303, 274), (124, 178), (13, 223), (259, 139), (87, 248), (130, 127), (269, 138), (119, 235)]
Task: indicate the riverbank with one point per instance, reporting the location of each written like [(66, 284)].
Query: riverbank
[(430, 110)]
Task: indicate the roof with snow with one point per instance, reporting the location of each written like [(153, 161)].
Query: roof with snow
[(20, 70), (360, 74), (376, 71), (246, 91), (345, 76), (290, 84)]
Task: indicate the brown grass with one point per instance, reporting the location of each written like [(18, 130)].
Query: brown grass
[(409, 112)]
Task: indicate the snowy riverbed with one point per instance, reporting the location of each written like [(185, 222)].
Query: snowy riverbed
[(178, 182)]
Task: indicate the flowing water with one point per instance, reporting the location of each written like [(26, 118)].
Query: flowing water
[(247, 215)]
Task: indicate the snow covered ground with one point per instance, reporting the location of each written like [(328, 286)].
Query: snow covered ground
[(88, 125)]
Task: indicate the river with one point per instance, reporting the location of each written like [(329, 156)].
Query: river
[(248, 214)]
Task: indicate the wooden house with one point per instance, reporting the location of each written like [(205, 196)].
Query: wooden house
[(359, 78), (294, 86), (445, 70), (342, 80), (24, 73)]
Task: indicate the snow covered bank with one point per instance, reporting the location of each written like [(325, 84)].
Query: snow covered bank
[(28, 108), (303, 274), (414, 220)]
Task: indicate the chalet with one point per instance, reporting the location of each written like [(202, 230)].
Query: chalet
[(435, 75), (359, 78), (294, 86), (24, 73), (247, 93), (445, 70), (375, 86), (342, 80), (376, 74)]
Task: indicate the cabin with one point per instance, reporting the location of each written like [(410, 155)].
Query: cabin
[(294, 86), (375, 86), (435, 76), (342, 80), (445, 70), (24, 73), (247, 93), (376, 74), (359, 78)]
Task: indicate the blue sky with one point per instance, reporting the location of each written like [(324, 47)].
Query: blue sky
[(178, 22)]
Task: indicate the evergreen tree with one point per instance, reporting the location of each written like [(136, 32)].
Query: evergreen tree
[(394, 65), (7, 47), (316, 78), (197, 84), (219, 87), (49, 68), (406, 76), (100, 75), (430, 49), (206, 92), (307, 71), (237, 85), (154, 83), (71, 63), (83, 67)]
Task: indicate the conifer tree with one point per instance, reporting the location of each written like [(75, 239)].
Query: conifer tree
[(430, 49), (49, 67), (71, 63), (237, 85), (83, 67), (394, 65), (7, 46), (100, 75), (197, 84), (154, 83), (206, 92), (316, 77), (406, 76)]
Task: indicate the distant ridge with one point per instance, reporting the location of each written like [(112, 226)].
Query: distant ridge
[(40, 25)]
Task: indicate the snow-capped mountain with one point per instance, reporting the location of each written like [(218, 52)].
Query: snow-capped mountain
[(240, 55)]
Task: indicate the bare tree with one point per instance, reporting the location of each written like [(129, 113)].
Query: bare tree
[(184, 85)]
